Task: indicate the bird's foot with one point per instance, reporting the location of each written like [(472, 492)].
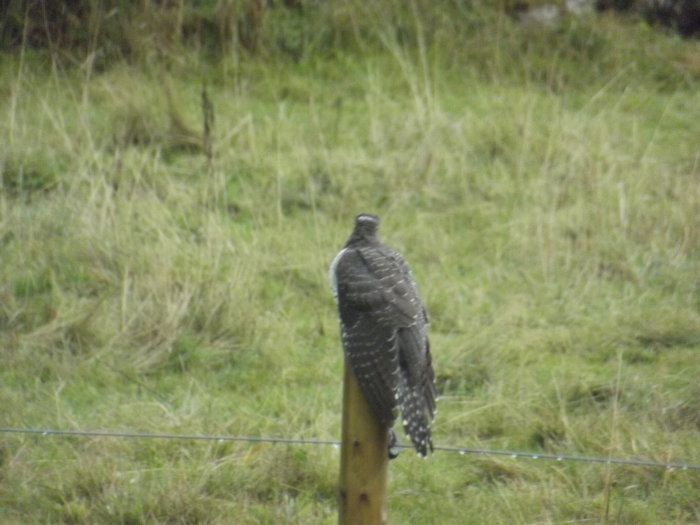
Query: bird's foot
[(394, 447)]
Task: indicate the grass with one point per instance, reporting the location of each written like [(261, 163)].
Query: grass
[(542, 185)]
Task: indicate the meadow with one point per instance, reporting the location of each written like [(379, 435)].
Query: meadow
[(166, 226)]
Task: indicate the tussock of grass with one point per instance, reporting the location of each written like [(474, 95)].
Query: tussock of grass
[(543, 186)]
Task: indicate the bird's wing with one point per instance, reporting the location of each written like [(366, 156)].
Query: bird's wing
[(398, 299), (370, 312), (384, 335), (400, 291), (372, 352), (417, 393)]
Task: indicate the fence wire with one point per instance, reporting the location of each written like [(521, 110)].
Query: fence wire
[(305, 441)]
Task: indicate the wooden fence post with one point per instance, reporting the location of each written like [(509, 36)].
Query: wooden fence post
[(363, 459)]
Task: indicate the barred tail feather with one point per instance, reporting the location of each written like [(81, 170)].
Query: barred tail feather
[(416, 418)]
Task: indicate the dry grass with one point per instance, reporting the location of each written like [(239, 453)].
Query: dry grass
[(544, 188)]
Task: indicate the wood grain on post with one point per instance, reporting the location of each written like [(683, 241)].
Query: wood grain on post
[(363, 459)]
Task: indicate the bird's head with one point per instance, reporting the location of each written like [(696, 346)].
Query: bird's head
[(366, 226)]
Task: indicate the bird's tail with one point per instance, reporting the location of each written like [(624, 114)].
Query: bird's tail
[(416, 414)]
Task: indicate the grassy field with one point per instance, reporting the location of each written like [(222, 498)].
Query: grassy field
[(544, 185)]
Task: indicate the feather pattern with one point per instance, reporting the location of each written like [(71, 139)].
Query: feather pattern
[(383, 328)]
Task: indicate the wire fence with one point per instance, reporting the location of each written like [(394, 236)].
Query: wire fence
[(304, 441)]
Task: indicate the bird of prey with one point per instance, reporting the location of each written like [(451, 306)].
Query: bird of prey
[(383, 328)]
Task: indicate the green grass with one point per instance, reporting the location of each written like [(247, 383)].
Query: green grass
[(544, 187)]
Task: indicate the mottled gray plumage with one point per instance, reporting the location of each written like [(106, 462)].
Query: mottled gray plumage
[(383, 328)]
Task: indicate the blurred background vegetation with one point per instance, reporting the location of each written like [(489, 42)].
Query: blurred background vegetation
[(137, 29), (175, 178)]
